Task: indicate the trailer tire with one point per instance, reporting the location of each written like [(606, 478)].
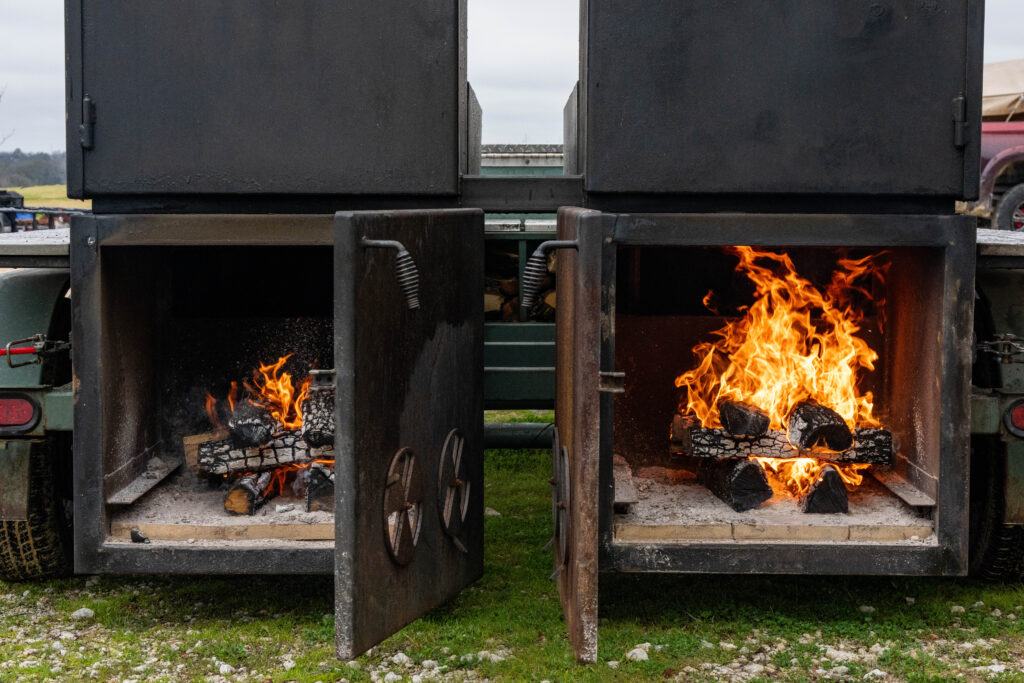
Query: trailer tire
[(40, 547), (996, 549), (1010, 212)]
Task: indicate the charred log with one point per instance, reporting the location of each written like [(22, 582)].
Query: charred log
[(320, 488), (870, 446), (743, 420), (740, 483), (223, 457), (814, 425), (318, 410), (248, 494), (251, 425), (827, 495)]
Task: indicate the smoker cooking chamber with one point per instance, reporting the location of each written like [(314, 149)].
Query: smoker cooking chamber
[(647, 270)]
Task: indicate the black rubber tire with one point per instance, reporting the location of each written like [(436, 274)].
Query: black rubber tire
[(40, 548), (996, 549), (1010, 202)]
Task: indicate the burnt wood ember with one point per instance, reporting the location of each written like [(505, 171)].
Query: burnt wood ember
[(318, 410), (740, 483), (827, 495), (870, 447), (320, 488), (248, 494), (812, 424), (251, 425), (222, 457), (743, 420)]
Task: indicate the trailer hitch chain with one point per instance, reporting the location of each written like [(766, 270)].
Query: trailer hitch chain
[(39, 347)]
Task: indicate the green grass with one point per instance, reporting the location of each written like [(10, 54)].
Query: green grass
[(50, 196), (187, 626)]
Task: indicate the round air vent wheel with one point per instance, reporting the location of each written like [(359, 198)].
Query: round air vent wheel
[(403, 507), (40, 548), (560, 492), (1010, 213), (453, 487), (996, 549)]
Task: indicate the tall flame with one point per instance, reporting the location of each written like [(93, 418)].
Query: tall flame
[(793, 343), (271, 388)]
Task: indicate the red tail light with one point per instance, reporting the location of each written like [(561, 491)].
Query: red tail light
[(1015, 418), (17, 413)]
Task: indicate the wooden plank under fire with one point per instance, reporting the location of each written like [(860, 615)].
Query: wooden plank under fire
[(870, 446), (286, 448)]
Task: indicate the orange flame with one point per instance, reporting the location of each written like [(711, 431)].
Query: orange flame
[(799, 474), (271, 388), (794, 343)]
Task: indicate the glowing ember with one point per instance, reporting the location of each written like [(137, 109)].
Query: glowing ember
[(794, 343)]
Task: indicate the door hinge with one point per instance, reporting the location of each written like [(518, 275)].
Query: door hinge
[(612, 382), (87, 131), (960, 122)]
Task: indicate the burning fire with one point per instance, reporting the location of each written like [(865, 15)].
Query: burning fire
[(794, 343), (272, 389), (799, 474)]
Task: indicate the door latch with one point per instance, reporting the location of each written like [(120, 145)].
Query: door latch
[(612, 382), (1008, 348), (405, 269), (536, 270)]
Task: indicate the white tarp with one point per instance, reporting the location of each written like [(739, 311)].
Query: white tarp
[(1004, 89)]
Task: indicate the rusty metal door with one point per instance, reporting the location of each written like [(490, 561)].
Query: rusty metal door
[(577, 419), (409, 410)]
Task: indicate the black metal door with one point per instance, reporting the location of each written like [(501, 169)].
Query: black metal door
[(577, 449), (877, 97), (264, 97), (409, 360)]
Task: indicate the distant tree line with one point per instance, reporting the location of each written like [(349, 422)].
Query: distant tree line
[(21, 169)]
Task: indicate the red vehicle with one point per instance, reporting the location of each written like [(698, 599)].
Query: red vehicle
[(1002, 179), (1001, 199)]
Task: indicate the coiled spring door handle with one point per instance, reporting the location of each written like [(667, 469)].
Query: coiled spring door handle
[(536, 270), (405, 269)]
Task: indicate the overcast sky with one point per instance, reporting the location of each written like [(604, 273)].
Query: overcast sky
[(522, 63)]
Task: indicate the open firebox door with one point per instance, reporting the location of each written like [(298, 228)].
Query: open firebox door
[(578, 406), (409, 412)]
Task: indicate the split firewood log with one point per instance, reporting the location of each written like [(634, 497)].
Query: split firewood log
[(870, 446), (812, 424), (743, 420), (248, 494), (493, 303), (827, 495), (251, 425), (320, 488), (510, 310), (739, 482), (223, 457), (318, 410)]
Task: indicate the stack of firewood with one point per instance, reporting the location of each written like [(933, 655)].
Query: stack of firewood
[(256, 457), (814, 431)]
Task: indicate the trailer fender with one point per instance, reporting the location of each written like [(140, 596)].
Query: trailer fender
[(30, 301), (14, 479)]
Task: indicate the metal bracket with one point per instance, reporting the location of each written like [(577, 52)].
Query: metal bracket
[(40, 347), (1008, 348), (536, 270), (612, 382), (405, 269)]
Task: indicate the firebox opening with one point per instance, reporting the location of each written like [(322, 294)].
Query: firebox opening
[(782, 394), (217, 354)]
